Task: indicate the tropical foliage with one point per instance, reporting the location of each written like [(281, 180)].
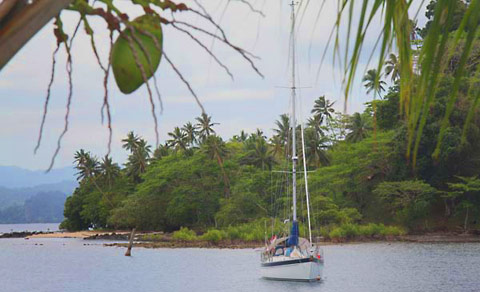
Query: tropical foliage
[(359, 174)]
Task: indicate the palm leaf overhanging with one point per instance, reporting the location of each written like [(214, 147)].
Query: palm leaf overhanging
[(418, 83)]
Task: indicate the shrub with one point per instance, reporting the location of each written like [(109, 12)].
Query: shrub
[(350, 231), (254, 231), (213, 235), (233, 233), (323, 231), (185, 234), (337, 233), (370, 229), (394, 230)]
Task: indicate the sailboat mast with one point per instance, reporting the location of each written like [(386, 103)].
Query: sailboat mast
[(293, 118)]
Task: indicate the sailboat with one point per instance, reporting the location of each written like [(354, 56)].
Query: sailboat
[(293, 258)]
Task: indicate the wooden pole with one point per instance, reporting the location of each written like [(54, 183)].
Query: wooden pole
[(130, 244), (22, 22)]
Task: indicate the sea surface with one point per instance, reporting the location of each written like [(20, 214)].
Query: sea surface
[(79, 266), (6, 228)]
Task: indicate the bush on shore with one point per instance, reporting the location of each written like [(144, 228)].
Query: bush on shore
[(351, 231), (214, 235), (255, 231), (184, 234)]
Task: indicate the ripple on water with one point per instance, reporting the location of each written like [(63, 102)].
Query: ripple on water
[(69, 265)]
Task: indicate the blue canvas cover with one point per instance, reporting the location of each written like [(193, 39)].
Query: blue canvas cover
[(293, 238)]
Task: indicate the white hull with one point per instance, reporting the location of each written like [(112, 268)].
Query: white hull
[(306, 271)]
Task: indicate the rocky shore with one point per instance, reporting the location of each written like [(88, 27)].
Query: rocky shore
[(22, 234), (109, 236), (191, 244), (236, 244), (165, 240)]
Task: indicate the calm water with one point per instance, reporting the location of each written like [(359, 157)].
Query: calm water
[(69, 265), (5, 228)]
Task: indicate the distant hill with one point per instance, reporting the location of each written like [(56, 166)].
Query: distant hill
[(46, 207), (16, 177), (28, 196), (17, 196)]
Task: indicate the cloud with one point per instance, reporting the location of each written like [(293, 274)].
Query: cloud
[(249, 102), (226, 95)]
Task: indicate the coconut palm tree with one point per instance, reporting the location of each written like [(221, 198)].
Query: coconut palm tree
[(88, 168), (162, 151), (277, 146), (242, 137), (205, 126), (109, 170), (260, 155), (450, 23), (215, 148), (392, 67), (259, 134), (315, 148), (178, 139), (131, 142), (323, 109), (359, 128), (86, 164), (137, 162), (371, 81), (315, 123), (283, 128), (190, 134)]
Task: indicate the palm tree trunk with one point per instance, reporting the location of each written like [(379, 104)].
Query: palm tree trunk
[(101, 192)]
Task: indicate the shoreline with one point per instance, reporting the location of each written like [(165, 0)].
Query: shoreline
[(162, 240)]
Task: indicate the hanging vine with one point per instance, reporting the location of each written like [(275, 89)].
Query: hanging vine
[(136, 49)]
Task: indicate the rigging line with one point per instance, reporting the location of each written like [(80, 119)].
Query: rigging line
[(286, 165), (307, 195), (302, 215), (278, 194), (271, 198)]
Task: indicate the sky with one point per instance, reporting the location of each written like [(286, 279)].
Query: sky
[(245, 103)]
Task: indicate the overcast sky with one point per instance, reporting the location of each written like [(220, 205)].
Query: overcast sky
[(248, 102)]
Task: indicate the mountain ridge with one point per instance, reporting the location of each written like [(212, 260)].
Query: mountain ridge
[(33, 196), (17, 177)]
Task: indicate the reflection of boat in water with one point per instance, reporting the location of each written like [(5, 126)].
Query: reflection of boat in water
[(293, 258)]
